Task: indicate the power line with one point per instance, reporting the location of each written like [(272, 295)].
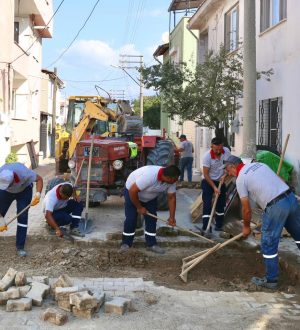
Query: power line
[(46, 27), (91, 81), (84, 24)]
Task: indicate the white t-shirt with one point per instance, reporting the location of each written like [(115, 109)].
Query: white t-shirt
[(146, 178), (215, 165), (258, 182), (51, 202)]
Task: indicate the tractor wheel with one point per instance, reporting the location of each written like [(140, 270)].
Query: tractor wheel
[(53, 182), (162, 155)]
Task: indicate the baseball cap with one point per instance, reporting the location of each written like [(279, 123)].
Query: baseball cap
[(233, 160), (182, 136), (6, 178)]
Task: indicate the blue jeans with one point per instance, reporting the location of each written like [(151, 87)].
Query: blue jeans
[(69, 215), (22, 198), (207, 195), (131, 219), (284, 213), (186, 163)]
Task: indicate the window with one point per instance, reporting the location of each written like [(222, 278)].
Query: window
[(270, 123), (203, 47), (16, 31), (271, 13), (232, 29)]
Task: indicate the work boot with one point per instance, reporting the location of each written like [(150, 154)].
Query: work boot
[(124, 248), (21, 253), (76, 232), (263, 282), (156, 249)]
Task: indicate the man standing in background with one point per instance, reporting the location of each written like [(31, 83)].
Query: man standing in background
[(186, 160)]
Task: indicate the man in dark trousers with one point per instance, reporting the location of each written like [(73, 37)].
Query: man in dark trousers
[(142, 188), (61, 209), (186, 157), (16, 182), (258, 182), (212, 173)]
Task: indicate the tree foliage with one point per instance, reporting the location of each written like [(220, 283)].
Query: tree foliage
[(151, 116), (208, 95)]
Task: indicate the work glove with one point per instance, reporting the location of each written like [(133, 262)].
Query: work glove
[(3, 225), (36, 199)]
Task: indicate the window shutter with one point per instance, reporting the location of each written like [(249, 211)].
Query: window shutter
[(237, 26), (227, 31), (264, 15), (283, 9)]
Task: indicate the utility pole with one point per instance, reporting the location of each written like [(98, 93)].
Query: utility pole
[(125, 62), (54, 113), (249, 107)]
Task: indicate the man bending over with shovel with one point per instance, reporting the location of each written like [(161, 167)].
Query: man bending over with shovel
[(142, 188), (61, 210), (258, 182), (16, 182)]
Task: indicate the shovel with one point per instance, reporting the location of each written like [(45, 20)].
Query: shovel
[(3, 226)]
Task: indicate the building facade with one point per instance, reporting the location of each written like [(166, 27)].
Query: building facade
[(23, 25)]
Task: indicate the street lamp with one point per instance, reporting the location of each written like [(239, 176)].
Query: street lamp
[(140, 84)]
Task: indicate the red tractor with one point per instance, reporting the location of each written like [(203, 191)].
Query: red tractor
[(118, 148)]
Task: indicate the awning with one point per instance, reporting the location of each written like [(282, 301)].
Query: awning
[(184, 4), (160, 50)]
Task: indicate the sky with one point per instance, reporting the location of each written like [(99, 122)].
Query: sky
[(132, 27)]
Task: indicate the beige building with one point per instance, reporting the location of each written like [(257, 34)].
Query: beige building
[(23, 25)]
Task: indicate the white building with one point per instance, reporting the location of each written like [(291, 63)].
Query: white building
[(23, 25), (278, 48)]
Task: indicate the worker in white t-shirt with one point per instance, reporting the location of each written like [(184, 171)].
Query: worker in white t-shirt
[(61, 210), (212, 173), (258, 182), (142, 188), (16, 184)]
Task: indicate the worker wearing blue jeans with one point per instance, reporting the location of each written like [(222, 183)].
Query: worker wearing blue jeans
[(186, 157), (258, 182)]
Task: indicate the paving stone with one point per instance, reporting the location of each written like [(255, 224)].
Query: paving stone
[(8, 279), (65, 305), (11, 293), (64, 281), (83, 300), (38, 292), (20, 279), (118, 305), (86, 313), (23, 304), (54, 316), (24, 290), (100, 296), (41, 279), (64, 293)]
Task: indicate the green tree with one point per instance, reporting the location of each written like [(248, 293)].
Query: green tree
[(208, 95), (151, 116)]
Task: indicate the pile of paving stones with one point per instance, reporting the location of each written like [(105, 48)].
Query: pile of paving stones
[(18, 294)]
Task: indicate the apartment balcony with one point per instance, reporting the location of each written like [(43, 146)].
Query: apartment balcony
[(40, 12)]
